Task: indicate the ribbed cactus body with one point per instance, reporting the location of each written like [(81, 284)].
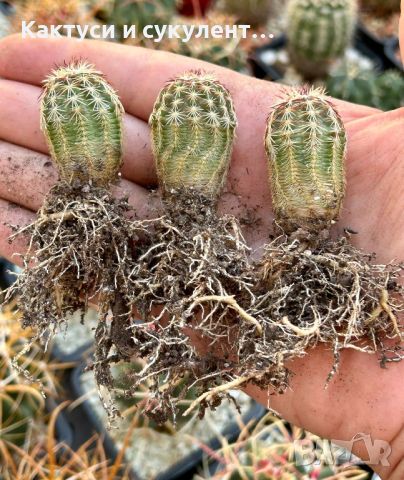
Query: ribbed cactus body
[(81, 117), (319, 31), (306, 145), (193, 124), (367, 87)]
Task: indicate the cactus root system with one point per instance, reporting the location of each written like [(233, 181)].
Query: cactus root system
[(197, 278), (80, 251), (328, 291)]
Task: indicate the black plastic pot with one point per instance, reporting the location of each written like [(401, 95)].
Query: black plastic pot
[(6, 276), (63, 428), (262, 69), (368, 45), (184, 469), (6, 8), (390, 49)]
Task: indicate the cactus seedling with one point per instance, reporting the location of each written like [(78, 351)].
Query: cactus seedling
[(306, 144), (199, 261), (80, 243), (310, 289), (340, 297), (193, 124), (319, 31), (81, 119)]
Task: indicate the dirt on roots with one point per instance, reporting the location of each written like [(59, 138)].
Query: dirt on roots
[(307, 290), (188, 275)]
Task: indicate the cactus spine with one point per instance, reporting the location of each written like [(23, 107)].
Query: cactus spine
[(193, 124), (305, 142), (319, 31), (81, 117)]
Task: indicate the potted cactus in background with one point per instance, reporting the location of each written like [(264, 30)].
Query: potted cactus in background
[(319, 32), (52, 12), (193, 8), (273, 450), (226, 52), (366, 87), (155, 450), (6, 11), (26, 377), (135, 12)]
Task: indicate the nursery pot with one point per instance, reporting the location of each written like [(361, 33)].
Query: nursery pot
[(392, 52), (184, 468), (372, 48)]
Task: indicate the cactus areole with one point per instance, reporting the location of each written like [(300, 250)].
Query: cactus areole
[(193, 124), (81, 118), (305, 142)]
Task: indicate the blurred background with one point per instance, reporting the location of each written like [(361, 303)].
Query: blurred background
[(52, 423)]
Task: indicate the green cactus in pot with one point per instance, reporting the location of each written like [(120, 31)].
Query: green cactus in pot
[(319, 32)]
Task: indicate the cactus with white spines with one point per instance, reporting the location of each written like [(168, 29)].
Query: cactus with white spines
[(319, 31), (81, 117), (305, 143), (81, 241), (193, 124)]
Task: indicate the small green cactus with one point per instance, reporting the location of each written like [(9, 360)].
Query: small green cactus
[(222, 51), (136, 12), (319, 31), (81, 117), (193, 124), (305, 142), (366, 87), (249, 12), (390, 85)]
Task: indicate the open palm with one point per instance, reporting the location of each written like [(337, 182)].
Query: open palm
[(363, 398)]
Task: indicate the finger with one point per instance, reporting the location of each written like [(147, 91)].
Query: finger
[(13, 217), (137, 73), (27, 176), (19, 104)]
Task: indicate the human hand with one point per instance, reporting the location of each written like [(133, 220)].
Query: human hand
[(358, 398)]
